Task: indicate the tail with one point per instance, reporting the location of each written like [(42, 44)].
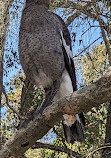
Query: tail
[(74, 132)]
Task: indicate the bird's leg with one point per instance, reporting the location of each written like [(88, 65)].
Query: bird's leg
[(48, 100), (50, 94)]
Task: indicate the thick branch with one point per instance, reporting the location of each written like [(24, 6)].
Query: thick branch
[(57, 148), (81, 101)]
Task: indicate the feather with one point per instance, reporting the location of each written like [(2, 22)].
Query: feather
[(72, 129)]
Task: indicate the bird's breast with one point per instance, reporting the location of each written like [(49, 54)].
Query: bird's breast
[(40, 49)]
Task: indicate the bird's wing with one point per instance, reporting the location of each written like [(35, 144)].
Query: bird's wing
[(67, 52), (68, 58)]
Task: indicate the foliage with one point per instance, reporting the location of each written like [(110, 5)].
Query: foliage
[(93, 65), (33, 153), (10, 120)]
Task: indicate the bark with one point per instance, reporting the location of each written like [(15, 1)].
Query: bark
[(108, 126), (81, 101), (107, 151)]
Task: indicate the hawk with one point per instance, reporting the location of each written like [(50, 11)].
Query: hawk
[(46, 57)]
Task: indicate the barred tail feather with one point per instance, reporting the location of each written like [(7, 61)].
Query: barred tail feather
[(73, 133), (77, 132)]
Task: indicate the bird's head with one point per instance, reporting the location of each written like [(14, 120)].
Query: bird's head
[(40, 2)]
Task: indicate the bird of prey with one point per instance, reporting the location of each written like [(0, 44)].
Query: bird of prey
[(46, 57)]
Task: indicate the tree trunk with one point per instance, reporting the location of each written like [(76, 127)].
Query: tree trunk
[(107, 151)]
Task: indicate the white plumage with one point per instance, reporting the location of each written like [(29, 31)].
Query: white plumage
[(67, 47)]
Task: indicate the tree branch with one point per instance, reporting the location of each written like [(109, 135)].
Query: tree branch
[(76, 55), (81, 101), (7, 102), (63, 139), (100, 148), (106, 41), (83, 8), (56, 148)]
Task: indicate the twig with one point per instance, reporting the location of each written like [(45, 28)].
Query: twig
[(86, 30), (100, 148), (76, 55), (20, 117), (63, 139), (57, 148)]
